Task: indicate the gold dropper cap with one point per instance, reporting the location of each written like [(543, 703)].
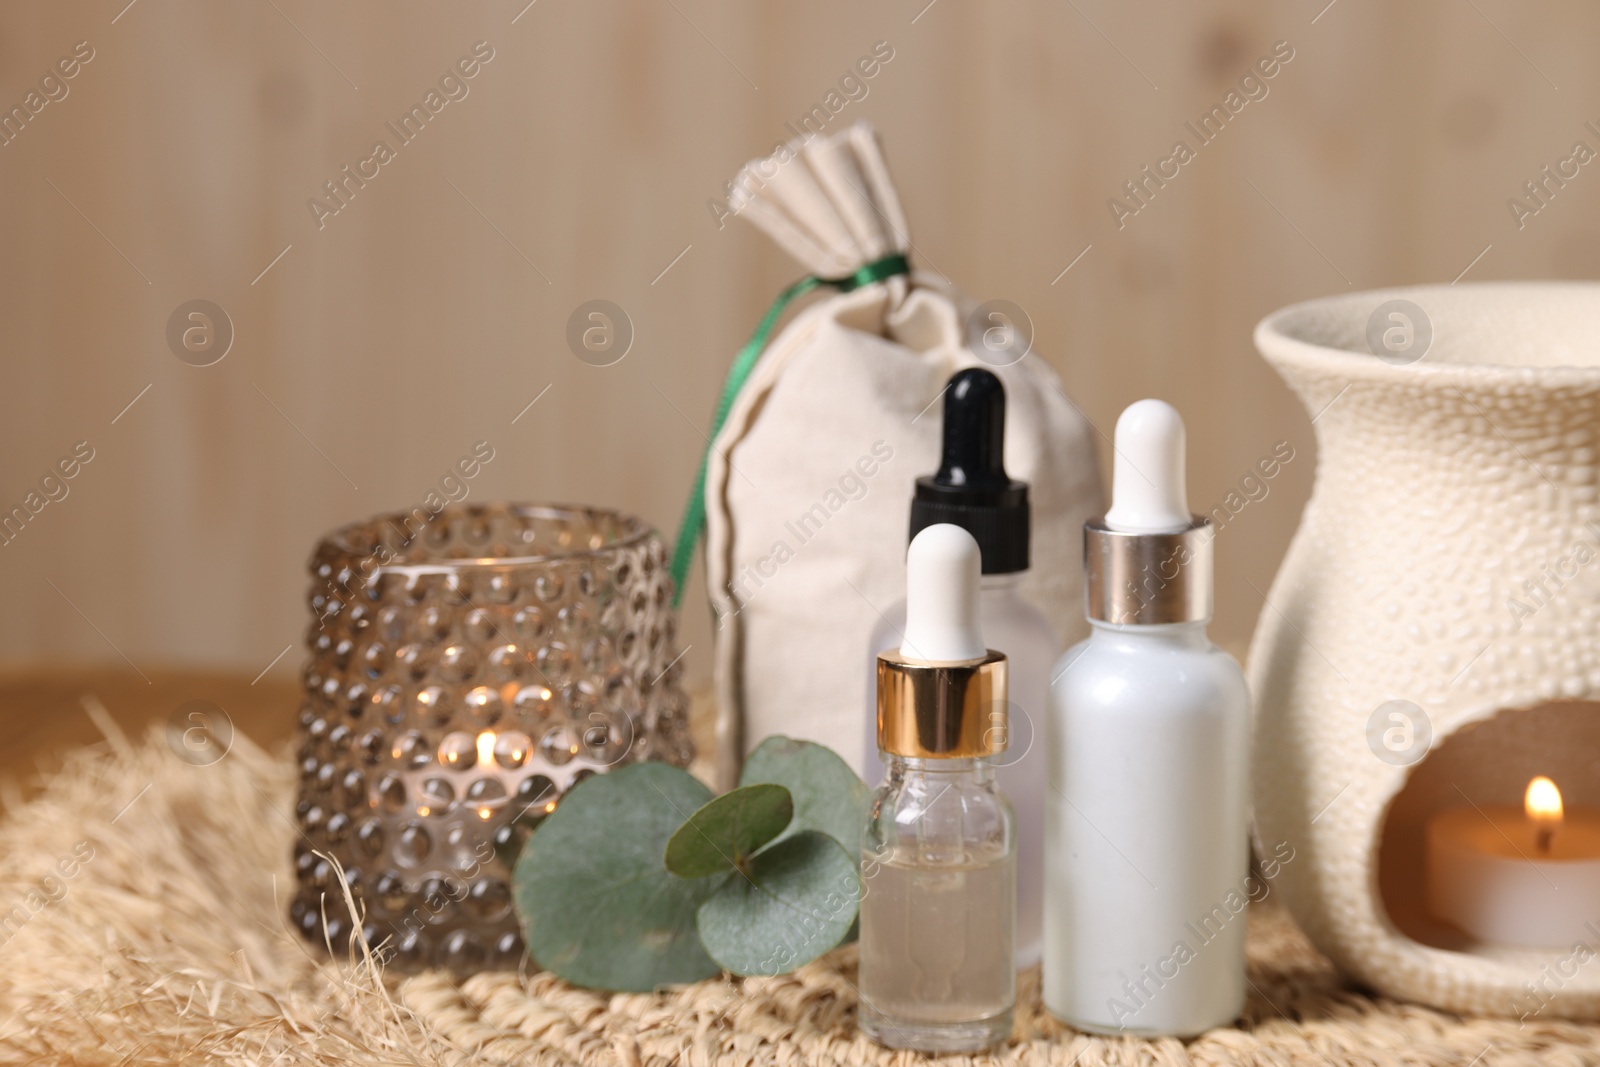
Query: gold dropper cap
[(942, 710)]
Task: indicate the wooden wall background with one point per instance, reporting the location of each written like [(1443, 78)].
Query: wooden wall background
[(427, 313)]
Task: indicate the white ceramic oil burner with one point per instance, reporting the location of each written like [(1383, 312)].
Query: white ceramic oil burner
[(1431, 645)]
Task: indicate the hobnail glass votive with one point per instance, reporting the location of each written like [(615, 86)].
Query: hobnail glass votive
[(466, 669)]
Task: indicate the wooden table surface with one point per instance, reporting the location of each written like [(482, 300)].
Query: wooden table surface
[(43, 713)]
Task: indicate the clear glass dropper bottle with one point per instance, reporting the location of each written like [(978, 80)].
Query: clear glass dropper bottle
[(939, 854)]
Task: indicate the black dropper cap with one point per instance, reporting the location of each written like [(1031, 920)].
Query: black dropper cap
[(971, 489)]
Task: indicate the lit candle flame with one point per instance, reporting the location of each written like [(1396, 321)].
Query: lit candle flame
[(486, 747), (1542, 802)]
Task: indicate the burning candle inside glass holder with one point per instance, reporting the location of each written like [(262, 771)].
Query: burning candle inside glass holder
[(465, 672)]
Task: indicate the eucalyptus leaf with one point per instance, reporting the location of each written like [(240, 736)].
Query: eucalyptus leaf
[(598, 908), (798, 900), (828, 795), (725, 832)]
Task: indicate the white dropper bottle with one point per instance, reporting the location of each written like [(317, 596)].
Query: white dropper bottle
[(1146, 840)]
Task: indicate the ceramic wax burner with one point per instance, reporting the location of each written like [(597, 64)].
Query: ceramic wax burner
[(466, 669), (1429, 644)]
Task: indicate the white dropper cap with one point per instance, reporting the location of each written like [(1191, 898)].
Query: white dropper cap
[(942, 579), (1148, 493)]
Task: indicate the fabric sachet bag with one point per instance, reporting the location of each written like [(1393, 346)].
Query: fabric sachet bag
[(820, 435)]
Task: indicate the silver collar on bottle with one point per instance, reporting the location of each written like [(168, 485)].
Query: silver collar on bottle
[(1147, 579)]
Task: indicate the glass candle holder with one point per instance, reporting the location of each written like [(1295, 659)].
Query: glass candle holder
[(466, 669)]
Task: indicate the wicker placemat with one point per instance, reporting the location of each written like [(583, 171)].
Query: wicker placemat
[(142, 922)]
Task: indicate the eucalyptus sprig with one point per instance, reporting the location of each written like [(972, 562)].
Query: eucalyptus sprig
[(642, 878)]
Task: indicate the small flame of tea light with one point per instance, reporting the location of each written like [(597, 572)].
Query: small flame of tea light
[(1527, 876), (1542, 802), (493, 760)]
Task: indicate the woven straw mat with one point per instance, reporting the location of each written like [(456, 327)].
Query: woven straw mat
[(169, 944)]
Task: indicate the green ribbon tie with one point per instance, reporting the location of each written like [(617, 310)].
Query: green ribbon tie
[(694, 515)]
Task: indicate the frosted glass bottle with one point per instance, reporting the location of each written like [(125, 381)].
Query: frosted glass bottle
[(1012, 625)]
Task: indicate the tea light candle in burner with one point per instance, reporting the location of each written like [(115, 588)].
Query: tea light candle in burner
[(1526, 876)]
